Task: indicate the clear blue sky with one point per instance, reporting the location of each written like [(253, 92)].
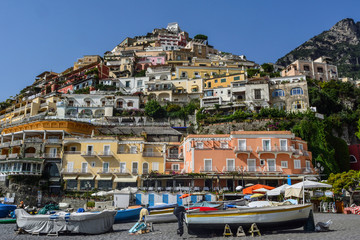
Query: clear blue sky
[(42, 35)]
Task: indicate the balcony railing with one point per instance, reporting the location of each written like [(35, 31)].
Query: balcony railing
[(173, 156), (253, 169), (88, 153), (31, 155), (209, 169), (5, 144), (53, 141), (152, 154), (105, 171), (51, 155), (288, 149), (308, 171), (105, 154), (239, 149), (33, 140), (127, 152), (121, 171), (231, 169), (72, 152), (3, 157), (272, 169), (13, 155), (16, 143)]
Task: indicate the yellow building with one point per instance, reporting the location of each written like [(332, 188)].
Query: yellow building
[(203, 71), (107, 163), (223, 81)]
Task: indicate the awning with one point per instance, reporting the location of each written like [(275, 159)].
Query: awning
[(86, 177), (69, 177), (194, 86), (103, 177), (179, 87), (126, 179)]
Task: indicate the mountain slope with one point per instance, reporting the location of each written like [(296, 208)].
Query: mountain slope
[(341, 43)]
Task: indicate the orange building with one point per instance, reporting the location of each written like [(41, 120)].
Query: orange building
[(266, 157)]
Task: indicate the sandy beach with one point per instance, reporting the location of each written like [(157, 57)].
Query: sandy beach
[(343, 227)]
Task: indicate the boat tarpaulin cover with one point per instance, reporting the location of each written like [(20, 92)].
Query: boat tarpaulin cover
[(88, 223)]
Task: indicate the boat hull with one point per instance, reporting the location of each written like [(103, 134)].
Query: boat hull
[(127, 215), (161, 216), (269, 218), (5, 209)]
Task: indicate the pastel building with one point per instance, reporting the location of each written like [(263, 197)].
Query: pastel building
[(267, 157)]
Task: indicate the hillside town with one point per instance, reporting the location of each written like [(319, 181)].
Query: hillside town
[(95, 126)]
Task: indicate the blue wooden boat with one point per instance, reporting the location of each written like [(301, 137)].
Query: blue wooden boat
[(128, 215), (5, 209)]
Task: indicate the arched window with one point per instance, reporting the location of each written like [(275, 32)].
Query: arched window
[(278, 93), (279, 106), (296, 105), (297, 91)]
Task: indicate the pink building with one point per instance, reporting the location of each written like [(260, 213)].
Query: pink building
[(242, 157), (146, 62)]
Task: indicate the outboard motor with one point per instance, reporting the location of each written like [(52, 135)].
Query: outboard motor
[(179, 212)]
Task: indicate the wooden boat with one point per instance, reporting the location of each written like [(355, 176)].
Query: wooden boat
[(86, 222), (272, 218), (5, 209), (128, 215), (167, 215)]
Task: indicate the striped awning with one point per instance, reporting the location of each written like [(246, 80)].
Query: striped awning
[(70, 177), (126, 179), (99, 177), (86, 177)]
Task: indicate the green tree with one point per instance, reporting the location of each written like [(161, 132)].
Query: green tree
[(252, 72), (350, 181), (154, 109), (201, 36), (268, 68)]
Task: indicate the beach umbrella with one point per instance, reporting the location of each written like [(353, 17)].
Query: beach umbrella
[(261, 190), (184, 195), (250, 190), (310, 185), (256, 195), (238, 188), (249, 185), (277, 191)]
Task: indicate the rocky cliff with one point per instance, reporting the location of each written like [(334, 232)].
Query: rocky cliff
[(341, 43)]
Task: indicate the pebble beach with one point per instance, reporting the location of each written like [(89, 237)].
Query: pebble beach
[(344, 227)]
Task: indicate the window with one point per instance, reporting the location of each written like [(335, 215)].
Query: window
[(130, 104), (296, 91), (251, 165), (257, 93), (196, 74), (105, 167), (297, 105), (230, 165), (216, 81), (236, 78), (72, 149), (279, 106), (122, 167), (320, 69), (87, 102), (84, 166), (134, 169), (155, 166), (89, 150), (209, 84), (306, 68), (93, 164), (139, 83), (119, 104), (175, 167), (297, 164), (278, 93), (127, 84), (224, 145), (71, 103), (308, 165), (184, 74), (208, 165), (242, 144), (70, 166), (301, 147), (283, 144), (262, 162), (223, 80), (199, 145), (271, 165), (133, 149), (266, 145), (145, 168), (106, 150), (284, 164)]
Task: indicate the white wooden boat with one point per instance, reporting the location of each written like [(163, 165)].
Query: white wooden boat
[(271, 218), (86, 222), (161, 216)]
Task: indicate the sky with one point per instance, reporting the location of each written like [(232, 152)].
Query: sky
[(43, 35)]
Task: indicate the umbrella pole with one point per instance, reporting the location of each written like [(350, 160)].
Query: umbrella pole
[(303, 188)]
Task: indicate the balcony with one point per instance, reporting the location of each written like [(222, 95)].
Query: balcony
[(152, 154), (276, 150), (5, 144), (33, 140), (3, 157), (69, 171), (16, 143), (51, 155), (172, 156), (127, 152), (173, 171), (105, 154), (243, 149), (53, 141), (121, 171), (231, 169), (31, 155), (308, 171), (106, 171), (88, 154), (13, 156), (72, 152), (272, 169), (209, 170), (253, 169)]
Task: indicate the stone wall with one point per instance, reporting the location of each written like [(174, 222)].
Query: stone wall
[(226, 128)]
